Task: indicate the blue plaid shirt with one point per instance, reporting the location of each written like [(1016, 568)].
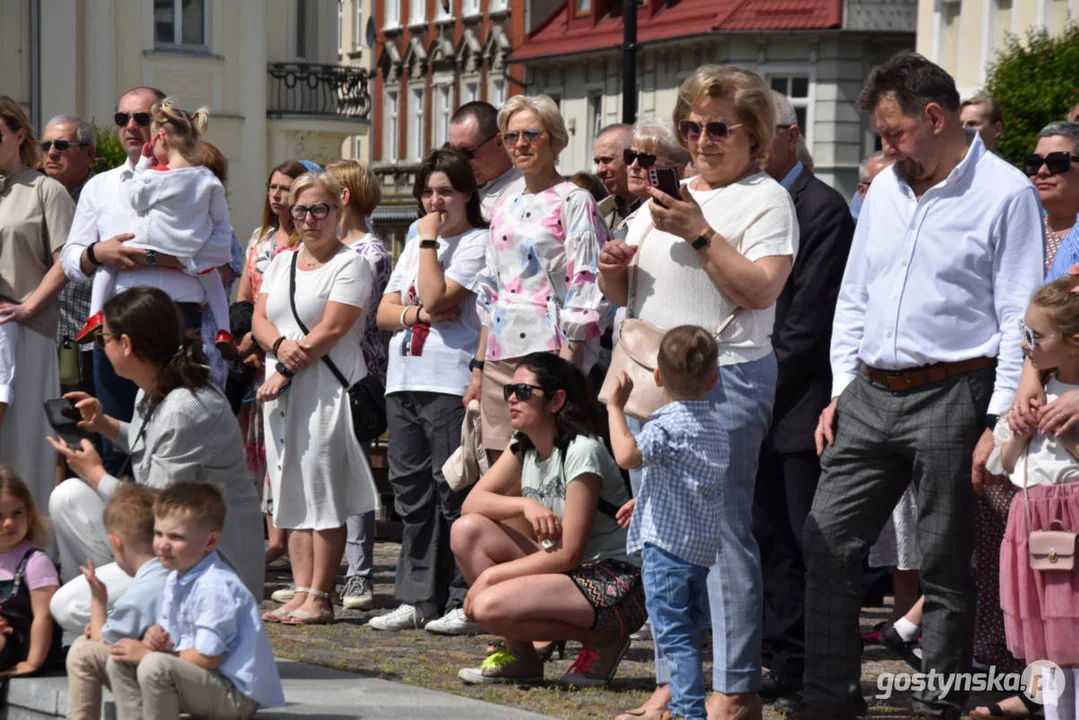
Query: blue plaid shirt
[(685, 452)]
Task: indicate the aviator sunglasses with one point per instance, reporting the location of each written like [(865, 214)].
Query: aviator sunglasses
[(714, 130), (523, 391), (1056, 162), (644, 160), (511, 137), (142, 119)]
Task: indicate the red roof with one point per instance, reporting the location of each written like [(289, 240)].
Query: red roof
[(564, 34)]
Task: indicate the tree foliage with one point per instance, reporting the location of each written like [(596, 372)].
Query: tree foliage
[(1036, 83), (110, 151)]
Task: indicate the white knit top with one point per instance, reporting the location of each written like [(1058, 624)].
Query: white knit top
[(756, 216)]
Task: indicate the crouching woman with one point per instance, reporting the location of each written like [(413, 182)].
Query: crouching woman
[(537, 540)]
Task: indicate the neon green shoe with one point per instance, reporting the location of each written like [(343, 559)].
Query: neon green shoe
[(502, 667)]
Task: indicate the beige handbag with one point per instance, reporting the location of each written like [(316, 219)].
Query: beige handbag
[(637, 354), (1049, 549)]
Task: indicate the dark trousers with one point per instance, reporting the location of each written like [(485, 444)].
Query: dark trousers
[(426, 430), (781, 502), (117, 394), (883, 441)]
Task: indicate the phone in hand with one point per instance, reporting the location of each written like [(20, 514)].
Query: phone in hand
[(665, 178), (63, 416)]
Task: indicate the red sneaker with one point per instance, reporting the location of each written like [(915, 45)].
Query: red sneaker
[(91, 328), (226, 346)]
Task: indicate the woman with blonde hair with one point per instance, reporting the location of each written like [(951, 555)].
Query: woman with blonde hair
[(718, 256), (306, 319), (361, 195), (538, 290), (35, 217)]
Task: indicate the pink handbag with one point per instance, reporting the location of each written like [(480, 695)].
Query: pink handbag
[(1049, 549)]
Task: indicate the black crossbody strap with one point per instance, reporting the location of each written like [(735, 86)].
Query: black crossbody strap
[(292, 303)]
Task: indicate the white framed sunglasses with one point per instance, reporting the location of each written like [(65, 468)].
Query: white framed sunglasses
[(1030, 338)]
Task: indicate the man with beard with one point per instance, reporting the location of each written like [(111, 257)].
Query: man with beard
[(925, 353)]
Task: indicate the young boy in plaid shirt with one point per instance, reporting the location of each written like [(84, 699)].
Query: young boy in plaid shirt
[(683, 451)]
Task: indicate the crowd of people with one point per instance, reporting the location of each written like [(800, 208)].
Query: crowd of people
[(796, 387)]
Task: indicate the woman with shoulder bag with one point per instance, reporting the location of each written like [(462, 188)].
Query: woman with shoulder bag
[(307, 318), (432, 312), (717, 256)]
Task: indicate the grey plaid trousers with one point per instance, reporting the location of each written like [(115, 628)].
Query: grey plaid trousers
[(883, 441)]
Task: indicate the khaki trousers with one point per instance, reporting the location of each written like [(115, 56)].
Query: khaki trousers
[(162, 686), (86, 676)]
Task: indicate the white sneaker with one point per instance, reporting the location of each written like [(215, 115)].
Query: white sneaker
[(405, 617), (358, 594), (453, 622)]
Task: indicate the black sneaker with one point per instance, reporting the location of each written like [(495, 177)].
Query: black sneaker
[(775, 686), (908, 650)]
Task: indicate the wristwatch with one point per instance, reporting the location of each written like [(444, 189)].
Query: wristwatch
[(280, 367), (90, 256), (150, 258), (475, 364), (429, 244), (702, 241)]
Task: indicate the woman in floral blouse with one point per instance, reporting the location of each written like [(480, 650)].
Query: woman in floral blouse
[(538, 290)]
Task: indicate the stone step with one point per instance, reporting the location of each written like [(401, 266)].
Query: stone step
[(310, 691)]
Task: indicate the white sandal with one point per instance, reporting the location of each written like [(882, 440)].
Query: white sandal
[(275, 616)]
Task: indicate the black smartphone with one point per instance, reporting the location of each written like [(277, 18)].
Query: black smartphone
[(665, 178), (63, 416)]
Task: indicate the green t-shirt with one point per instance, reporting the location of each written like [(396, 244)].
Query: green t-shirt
[(545, 481)]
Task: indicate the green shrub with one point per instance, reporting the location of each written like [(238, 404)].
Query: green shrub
[(1036, 83), (110, 151)]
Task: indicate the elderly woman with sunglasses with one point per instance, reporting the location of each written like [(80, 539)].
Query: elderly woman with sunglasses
[(308, 318), (653, 144), (538, 290), (718, 257)]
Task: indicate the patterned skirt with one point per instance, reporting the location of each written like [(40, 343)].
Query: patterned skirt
[(614, 590), (990, 519)]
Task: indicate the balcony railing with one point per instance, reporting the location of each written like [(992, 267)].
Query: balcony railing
[(312, 89)]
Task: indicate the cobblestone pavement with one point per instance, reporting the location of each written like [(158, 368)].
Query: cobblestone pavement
[(421, 659)]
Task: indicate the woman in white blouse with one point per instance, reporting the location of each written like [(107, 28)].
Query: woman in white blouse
[(538, 291), (318, 471), (724, 247)]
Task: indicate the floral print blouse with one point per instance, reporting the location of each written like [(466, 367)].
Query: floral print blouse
[(539, 287), (375, 254)]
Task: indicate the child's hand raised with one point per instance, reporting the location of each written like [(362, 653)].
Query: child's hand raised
[(623, 387), (157, 640), (98, 591), (625, 513)]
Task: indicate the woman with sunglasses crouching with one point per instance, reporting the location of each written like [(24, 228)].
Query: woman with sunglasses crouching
[(309, 314), (538, 290), (183, 429), (538, 541), (718, 257)]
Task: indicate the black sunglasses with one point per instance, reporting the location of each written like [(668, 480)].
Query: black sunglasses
[(645, 160), (715, 130), (319, 211), (523, 391), (470, 153), (142, 119), (1056, 162), (61, 145)]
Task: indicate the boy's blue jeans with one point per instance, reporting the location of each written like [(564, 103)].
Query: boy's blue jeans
[(674, 595)]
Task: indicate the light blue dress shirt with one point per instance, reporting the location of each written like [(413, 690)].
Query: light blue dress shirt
[(941, 278), (210, 610), (685, 454), (789, 178), (1067, 255), (140, 607)]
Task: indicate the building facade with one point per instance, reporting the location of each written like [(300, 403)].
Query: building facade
[(432, 57), (268, 70), (963, 36), (817, 52)]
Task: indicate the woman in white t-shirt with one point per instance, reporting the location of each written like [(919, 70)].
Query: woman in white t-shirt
[(432, 312), (724, 247)]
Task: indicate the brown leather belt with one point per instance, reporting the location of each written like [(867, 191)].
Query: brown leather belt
[(900, 380)]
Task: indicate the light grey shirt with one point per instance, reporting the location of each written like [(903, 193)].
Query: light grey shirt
[(509, 183)]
